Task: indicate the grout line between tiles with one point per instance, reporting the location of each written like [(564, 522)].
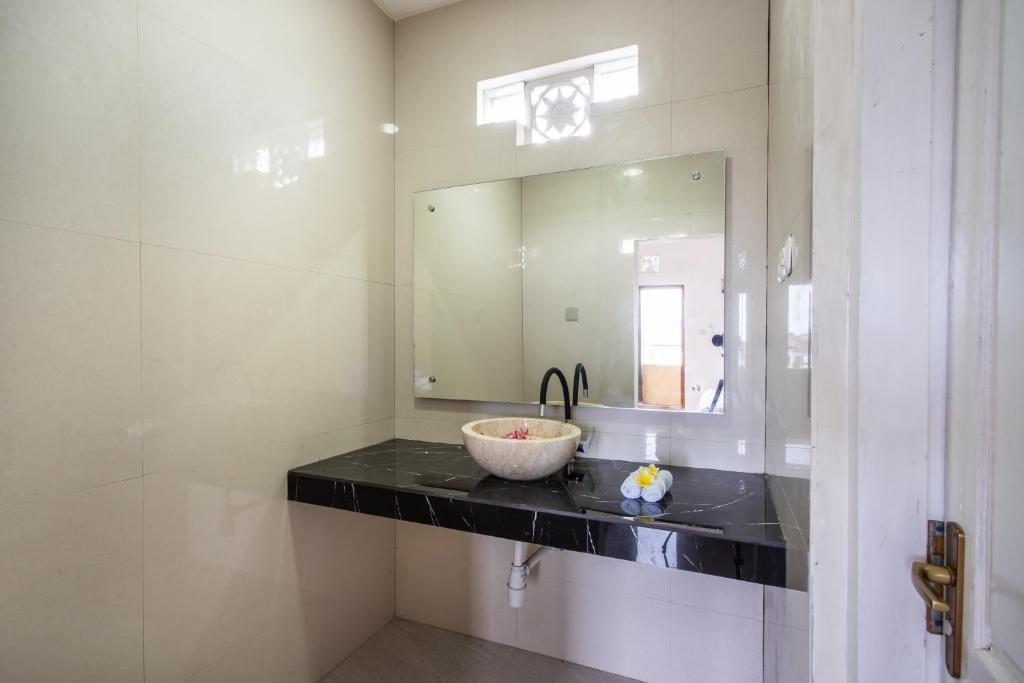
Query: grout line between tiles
[(44, 499), (142, 431), (83, 233)]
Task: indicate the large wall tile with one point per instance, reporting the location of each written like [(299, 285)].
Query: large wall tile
[(356, 64), (719, 46), (730, 121), (347, 572), (243, 585), (71, 587), (718, 594), (789, 154), (626, 421), (632, 578), (610, 629), (787, 607), (355, 204), (239, 357), (421, 429), (267, 36), (221, 573), (69, 369), (440, 57), (611, 446), (69, 140), (327, 444), (791, 36), (787, 654), (456, 581), (228, 161), (354, 331), (740, 455), (713, 647)]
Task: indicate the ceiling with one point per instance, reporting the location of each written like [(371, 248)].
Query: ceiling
[(397, 9)]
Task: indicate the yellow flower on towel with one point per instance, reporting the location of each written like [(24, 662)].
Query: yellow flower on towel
[(644, 477)]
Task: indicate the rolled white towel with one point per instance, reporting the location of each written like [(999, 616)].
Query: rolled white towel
[(630, 489), (655, 491)]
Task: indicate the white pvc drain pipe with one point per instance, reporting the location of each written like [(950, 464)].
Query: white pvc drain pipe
[(520, 570)]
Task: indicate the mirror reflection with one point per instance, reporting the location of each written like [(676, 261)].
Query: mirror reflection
[(615, 275)]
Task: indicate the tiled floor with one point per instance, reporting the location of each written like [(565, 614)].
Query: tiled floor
[(407, 652)]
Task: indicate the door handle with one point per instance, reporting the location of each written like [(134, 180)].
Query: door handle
[(923, 575), (938, 581)]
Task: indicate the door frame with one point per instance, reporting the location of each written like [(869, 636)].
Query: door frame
[(640, 345), (883, 122), (973, 304)]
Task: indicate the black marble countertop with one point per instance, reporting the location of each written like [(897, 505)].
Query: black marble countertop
[(750, 527)]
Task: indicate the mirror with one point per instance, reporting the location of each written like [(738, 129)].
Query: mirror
[(620, 268)]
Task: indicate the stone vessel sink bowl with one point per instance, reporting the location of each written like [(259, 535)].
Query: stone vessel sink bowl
[(548, 447)]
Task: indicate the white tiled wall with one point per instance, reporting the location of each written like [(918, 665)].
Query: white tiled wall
[(787, 638), (183, 332), (790, 90), (177, 332), (703, 85), (787, 405), (632, 619)]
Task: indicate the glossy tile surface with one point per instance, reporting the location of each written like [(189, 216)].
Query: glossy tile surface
[(470, 596), (585, 608), (242, 357), (599, 628), (206, 116), (70, 107), (196, 258), (788, 380), (731, 34), (69, 369), (720, 523), (711, 646), (71, 587)]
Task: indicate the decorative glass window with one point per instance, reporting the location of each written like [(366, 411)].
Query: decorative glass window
[(616, 78), (502, 103), (554, 101), (560, 107)]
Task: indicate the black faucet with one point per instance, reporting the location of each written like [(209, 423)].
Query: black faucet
[(581, 372), (565, 392)]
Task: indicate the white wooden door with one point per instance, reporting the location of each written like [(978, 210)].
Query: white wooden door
[(985, 458)]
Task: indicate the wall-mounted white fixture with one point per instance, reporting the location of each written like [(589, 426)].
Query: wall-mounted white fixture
[(520, 570), (787, 254)]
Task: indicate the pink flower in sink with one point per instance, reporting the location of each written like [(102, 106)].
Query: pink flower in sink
[(520, 434)]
